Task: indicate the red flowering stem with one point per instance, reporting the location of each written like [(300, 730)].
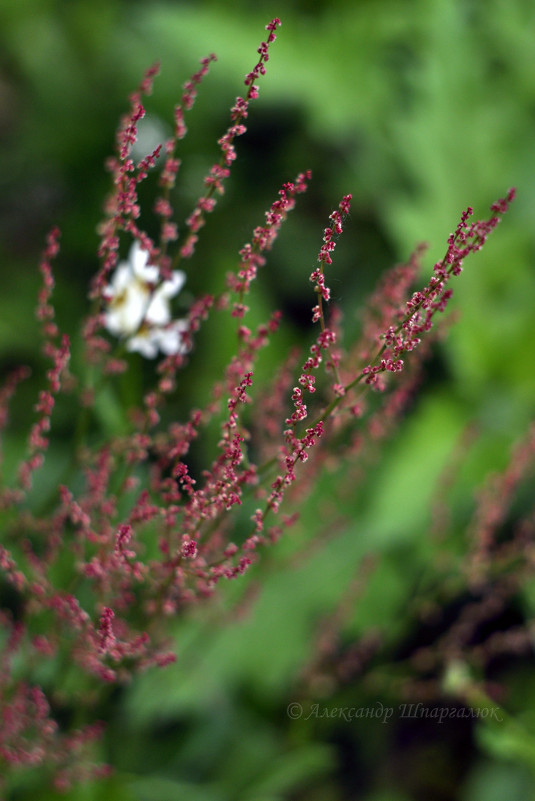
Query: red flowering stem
[(296, 449), (262, 240), (59, 355), (122, 207), (162, 206), (242, 364), (323, 292), (467, 238), (7, 497), (220, 171), (494, 500)]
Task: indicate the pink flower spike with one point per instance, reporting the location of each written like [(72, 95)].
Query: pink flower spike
[(214, 182), (105, 631)]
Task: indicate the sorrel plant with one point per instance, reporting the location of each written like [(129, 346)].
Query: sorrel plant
[(134, 534)]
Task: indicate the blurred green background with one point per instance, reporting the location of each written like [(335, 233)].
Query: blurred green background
[(418, 108)]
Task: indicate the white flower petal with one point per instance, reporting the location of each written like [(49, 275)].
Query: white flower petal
[(138, 259), (173, 286), (144, 342), (170, 339), (159, 311), (122, 277)]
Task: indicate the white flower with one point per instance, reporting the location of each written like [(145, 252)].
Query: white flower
[(138, 311), (150, 339)]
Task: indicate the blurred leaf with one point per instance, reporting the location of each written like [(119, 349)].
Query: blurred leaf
[(508, 741), (495, 781), (158, 788), (298, 768), (111, 412)]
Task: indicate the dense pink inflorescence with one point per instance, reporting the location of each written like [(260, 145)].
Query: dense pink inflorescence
[(29, 735)]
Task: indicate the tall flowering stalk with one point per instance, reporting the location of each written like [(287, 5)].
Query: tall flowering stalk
[(135, 534)]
